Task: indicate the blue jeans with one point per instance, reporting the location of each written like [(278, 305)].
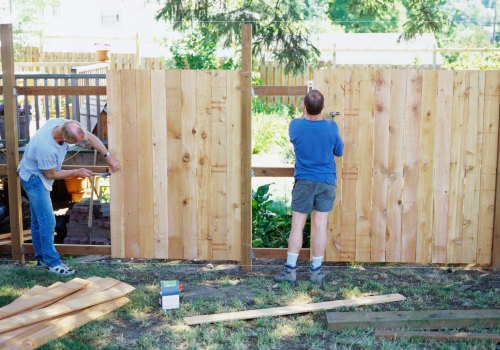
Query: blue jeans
[(43, 221)]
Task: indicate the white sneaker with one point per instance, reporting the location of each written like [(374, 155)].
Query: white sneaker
[(61, 270)]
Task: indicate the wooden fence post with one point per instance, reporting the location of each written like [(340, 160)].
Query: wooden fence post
[(15, 211), (246, 146), (495, 254)]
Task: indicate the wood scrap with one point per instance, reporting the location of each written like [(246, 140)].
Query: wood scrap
[(30, 327), (439, 336), (428, 319), (293, 309)]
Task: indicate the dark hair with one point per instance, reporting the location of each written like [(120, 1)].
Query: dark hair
[(314, 102)]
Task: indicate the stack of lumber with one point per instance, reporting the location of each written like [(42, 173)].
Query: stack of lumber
[(45, 313), (77, 227)]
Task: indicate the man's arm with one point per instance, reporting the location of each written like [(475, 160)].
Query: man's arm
[(53, 174), (114, 165)]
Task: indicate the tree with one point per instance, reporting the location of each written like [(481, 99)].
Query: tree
[(416, 16), (278, 26)]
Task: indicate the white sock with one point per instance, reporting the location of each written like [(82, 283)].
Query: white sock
[(291, 259), (317, 260)]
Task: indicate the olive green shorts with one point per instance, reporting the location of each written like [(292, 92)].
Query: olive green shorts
[(308, 195)]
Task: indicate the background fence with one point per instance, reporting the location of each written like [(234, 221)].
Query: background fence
[(417, 179), (177, 137)]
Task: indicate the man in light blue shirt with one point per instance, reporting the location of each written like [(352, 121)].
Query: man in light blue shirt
[(315, 142), (40, 166)]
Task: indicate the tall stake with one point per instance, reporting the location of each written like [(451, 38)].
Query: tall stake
[(15, 211), (246, 147)]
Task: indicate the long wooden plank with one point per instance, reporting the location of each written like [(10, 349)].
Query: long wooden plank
[(278, 253), (490, 177), (380, 164), (145, 176), (189, 164), (9, 235), (61, 90), (246, 146), (204, 154), (457, 168), (293, 309), (271, 90), (410, 174), (442, 154), (58, 327), (54, 293), (219, 171), (364, 187), (437, 336), (428, 319), (75, 249), (336, 99), (62, 308), (350, 166), (11, 144), (282, 171), (130, 147), (473, 144), (160, 163), (234, 213), (426, 167), (395, 166), (174, 165)]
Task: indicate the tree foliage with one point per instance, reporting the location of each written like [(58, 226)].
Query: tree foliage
[(278, 26)]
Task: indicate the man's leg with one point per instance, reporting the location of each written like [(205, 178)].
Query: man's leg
[(319, 246), (294, 246), (35, 232)]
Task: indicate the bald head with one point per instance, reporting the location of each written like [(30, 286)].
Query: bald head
[(72, 132), (314, 102)]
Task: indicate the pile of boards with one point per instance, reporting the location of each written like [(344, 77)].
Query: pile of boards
[(45, 313)]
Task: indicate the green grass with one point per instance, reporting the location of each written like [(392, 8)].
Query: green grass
[(141, 324)]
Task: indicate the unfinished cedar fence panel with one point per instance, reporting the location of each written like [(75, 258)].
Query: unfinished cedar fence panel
[(177, 137), (417, 180)]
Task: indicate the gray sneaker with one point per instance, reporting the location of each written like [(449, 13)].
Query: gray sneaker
[(288, 274), (317, 275)]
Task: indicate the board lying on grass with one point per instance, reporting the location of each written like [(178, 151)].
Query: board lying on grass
[(294, 309), (46, 313), (428, 319)]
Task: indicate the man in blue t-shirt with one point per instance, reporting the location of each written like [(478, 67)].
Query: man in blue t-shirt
[(315, 141), (40, 166)]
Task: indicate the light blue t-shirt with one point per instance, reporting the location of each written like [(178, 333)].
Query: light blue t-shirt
[(315, 143), (43, 153)]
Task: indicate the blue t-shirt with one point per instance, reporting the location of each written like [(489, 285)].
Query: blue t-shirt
[(43, 153), (315, 142)]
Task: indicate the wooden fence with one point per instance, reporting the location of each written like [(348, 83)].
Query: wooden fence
[(417, 180), (177, 137)]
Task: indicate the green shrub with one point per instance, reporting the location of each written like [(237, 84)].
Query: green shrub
[(272, 221)]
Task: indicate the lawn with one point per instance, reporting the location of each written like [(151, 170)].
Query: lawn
[(213, 288)]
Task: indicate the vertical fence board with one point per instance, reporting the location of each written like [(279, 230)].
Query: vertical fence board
[(473, 143), (115, 145), (380, 164), (336, 100), (219, 222), (426, 167), (145, 164), (174, 164), (365, 165), (442, 152), (457, 169), (350, 165), (203, 166), (488, 166), (234, 125), (395, 166), (190, 161), (410, 170), (130, 159), (160, 159)]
